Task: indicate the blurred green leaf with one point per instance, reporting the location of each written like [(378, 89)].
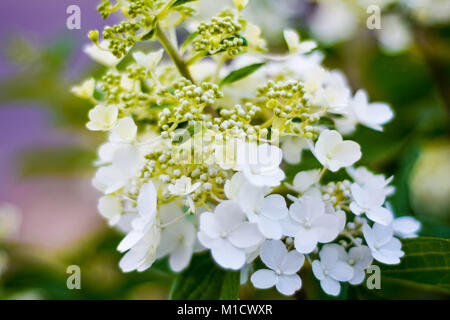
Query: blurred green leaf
[(59, 160), (426, 265), (241, 73), (181, 2), (204, 280)]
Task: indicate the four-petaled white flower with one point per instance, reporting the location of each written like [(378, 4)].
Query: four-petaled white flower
[(309, 224), (177, 239), (382, 243), (227, 234), (142, 254), (372, 115), (292, 39), (84, 90), (102, 117), (406, 227), (126, 163), (359, 258), (144, 220), (260, 164), (304, 180), (334, 153), (332, 268), (149, 60), (265, 212), (292, 148), (283, 266), (369, 200), (124, 131), (183, 186), (364, 177)]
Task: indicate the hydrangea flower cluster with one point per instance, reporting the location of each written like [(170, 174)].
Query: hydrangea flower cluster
[(196, 146)]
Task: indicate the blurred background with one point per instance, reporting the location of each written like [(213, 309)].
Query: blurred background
[(48, 215)]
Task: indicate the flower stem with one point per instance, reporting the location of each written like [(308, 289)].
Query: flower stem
[(173, 54), (321, 174)]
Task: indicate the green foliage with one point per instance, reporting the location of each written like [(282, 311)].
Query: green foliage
[(426, 265), (56, 161), (204, 280), (181, 2), (241, 73)]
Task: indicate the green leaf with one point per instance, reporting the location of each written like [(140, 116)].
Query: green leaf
[(426, 265), (204, 280), (188, 40), (66, 160), (149, 35), (181, 2), (240, 73)]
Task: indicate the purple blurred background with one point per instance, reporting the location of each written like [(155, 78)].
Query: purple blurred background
[(56, 210)]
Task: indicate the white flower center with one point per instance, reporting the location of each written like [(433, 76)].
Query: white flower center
[(223, 234)]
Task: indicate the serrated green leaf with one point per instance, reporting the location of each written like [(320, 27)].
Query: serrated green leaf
[(426, 265), (204, 280), (241, 73), (181, 2)]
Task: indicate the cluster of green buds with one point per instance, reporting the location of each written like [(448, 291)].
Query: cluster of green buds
[(190, 100), (337, 194), (288, 102), (221, 34)]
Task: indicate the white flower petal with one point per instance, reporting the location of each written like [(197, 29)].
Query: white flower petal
[(228, 256), (288, 284), (263, 279)]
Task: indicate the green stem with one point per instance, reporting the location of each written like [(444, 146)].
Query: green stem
[(173, 54)]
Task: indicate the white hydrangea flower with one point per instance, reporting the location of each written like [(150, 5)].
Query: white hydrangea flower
[(142, 254), (332, 268), (283, 270), (292, 148), (260, 164), (143, 233), (382, 243), (364, 177), (227, 234), (333, 21), (369, 200), (372, 115), (335, 153), (304, 180), (309, 224), (406, 227), (126, 163), (183, 186), (84, 90), (101, 54), (233, 186), (124, 131), (102, 118), (177, 239), (110, 207), (294, 45), (359, 258), (265, 212), (144, 220), (149, 60)]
